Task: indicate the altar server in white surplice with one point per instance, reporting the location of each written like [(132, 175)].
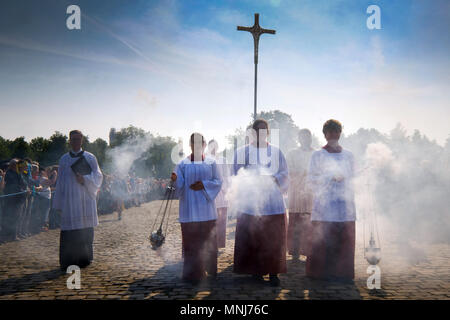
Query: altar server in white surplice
[(262, 177), (198, 181), (221, 201), (300, 196), (75, 197)]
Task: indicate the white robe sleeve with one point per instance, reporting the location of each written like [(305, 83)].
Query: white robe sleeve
[(319, 178), (179, 183), (314, 173), (93, 181), (282, 175), (225, 174), (228, 174), (352, 174), (212, 186)]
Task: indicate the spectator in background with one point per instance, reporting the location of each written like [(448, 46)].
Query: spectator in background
[(2, 180), (119, 190), (26, 169), (44, 199), (2, 186), (27, 225), (53, 219), (16, 187)]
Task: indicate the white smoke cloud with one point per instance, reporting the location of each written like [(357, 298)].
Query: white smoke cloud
[(248, 190), (403, 192), (123, 156)]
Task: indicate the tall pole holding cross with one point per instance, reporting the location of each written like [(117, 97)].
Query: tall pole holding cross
[(256, 31)]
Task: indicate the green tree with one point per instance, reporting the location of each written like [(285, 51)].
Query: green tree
[(150, 155), (58, 145), (128, 134), (357, 142), (98, 148), (5, 152), (158, 157), (20, 148), (287, 130), (39, 149)]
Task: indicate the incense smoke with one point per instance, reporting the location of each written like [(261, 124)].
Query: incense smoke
[(248, 190), (123, 156), (412, 194), (403, 191)]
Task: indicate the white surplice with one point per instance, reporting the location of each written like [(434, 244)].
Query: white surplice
[(198, 205), (299, 195), (261, 179), (333, 200), (77, 202), (224, 169)]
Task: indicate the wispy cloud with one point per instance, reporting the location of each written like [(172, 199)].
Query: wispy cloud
[(167, 71)]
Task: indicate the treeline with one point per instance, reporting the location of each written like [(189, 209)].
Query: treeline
[(409, 176), (410, 183), (149, 161), (410, 187)]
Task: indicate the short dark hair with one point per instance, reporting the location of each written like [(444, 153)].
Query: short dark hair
[(197, 134), (332, 125), (304, 132), (257, 122), (71, 133)]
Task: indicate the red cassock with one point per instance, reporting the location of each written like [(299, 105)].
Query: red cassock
[(299, 233), (199, 242), (332, 250), (260, 246)]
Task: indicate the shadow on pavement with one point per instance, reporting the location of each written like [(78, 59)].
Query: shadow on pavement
[(29, 281), (167, 284), (308, 288)]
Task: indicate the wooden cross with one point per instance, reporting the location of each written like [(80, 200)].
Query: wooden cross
[(256, 31)]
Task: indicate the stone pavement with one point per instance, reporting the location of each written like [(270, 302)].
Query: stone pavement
[(125, 267)]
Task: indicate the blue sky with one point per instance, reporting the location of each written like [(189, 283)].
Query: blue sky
[(175, 66)]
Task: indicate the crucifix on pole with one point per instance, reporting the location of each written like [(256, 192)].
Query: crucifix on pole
[(256, 31)]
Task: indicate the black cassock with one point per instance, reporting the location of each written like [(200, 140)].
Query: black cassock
[(76, 247)]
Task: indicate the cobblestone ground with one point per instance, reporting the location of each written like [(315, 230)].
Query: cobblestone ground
[(125, 267)]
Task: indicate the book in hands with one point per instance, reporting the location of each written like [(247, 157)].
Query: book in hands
[(81, 166)]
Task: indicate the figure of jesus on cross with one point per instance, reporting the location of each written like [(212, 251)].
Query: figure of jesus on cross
[(256, 31)]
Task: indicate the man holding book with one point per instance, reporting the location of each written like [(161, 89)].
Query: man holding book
[(79, 179)]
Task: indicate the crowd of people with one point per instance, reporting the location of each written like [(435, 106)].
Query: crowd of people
[(119, 193), (25, 199), (26, 190)]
